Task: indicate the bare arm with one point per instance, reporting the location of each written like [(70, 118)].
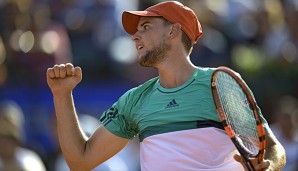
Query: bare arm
[(275, 156), (80, 152), (275, 153)]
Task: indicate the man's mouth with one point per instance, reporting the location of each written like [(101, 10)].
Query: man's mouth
[(139, 47)]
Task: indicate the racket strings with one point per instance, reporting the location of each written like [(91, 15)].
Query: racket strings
[(238, 112)]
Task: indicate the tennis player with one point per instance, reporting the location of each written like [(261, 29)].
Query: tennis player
[(173, 114)]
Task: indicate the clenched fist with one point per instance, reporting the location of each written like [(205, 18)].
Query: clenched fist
[(63, 78)]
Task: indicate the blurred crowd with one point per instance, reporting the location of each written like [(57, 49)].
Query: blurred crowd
[(257, 38)]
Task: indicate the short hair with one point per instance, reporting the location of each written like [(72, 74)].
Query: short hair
[(186, 42), (184, 38)]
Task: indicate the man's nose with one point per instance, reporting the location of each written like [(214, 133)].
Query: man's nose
[(135, 37)]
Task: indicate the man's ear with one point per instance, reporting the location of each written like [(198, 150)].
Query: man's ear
[(175, 30)]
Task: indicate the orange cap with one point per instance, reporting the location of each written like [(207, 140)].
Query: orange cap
[(173, 11)]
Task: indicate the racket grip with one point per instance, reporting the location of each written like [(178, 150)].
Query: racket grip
[(248, 164)]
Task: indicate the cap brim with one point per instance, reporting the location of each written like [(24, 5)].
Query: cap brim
[(130, 19)]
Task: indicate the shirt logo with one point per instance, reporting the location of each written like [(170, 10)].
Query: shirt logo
[(172, 103)]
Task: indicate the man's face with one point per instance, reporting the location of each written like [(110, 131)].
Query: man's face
[(151, 41)]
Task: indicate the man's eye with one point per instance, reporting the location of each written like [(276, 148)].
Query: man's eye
[(146, 27)]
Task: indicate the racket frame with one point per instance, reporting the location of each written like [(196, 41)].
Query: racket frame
[(229, 130)]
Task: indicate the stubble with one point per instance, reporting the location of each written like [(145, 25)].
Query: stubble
[(155, 56)]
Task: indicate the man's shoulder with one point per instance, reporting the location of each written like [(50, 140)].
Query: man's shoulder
[(136, 91), (145, 85), (205, 72), (206, 69)]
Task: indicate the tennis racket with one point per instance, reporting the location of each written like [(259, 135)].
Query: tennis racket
[(239, 114)]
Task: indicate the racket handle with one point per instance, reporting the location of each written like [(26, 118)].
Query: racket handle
[(248, 164)]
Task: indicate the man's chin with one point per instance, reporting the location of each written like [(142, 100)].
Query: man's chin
[(143, 63)]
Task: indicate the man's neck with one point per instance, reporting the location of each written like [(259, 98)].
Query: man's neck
[(175, 72)]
